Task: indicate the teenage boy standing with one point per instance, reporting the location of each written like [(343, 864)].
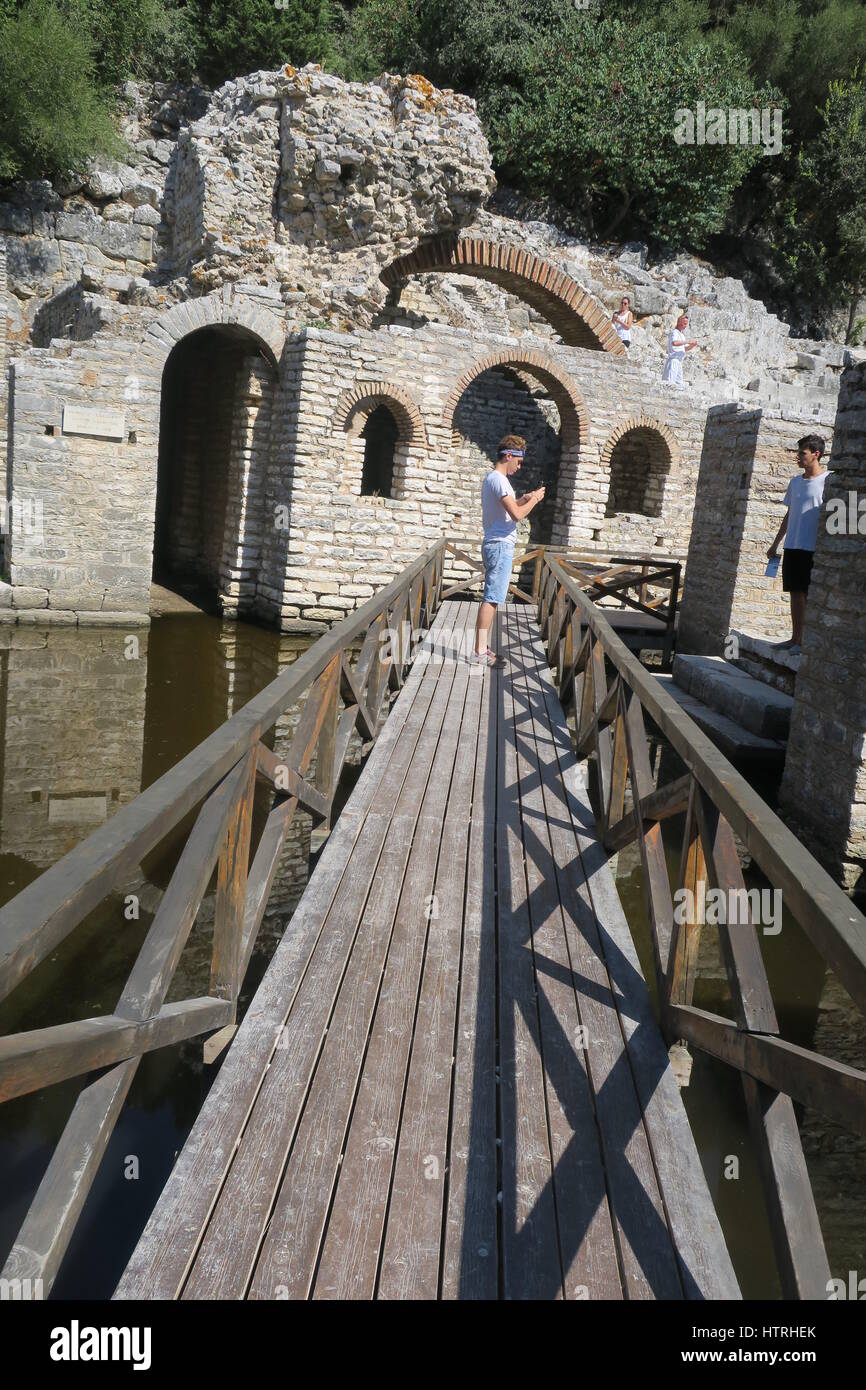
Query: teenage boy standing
[(800, 529), (501, 510)]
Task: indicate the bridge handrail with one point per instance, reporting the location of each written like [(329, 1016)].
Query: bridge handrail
[(219, 777), (718, 802)]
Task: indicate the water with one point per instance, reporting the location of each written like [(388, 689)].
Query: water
[(86, 724)]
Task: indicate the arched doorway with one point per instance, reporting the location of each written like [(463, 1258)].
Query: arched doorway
[(521, 393), (639, 455), (214, 437)]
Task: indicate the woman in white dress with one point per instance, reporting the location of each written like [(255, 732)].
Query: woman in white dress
[(678, 346), (623, 320)]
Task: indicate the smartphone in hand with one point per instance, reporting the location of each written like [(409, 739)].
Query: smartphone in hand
[(773, 567)]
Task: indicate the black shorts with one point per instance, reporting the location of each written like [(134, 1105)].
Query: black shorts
[(796, 570)]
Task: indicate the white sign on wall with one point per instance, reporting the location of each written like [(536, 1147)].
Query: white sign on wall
[(103, 424)]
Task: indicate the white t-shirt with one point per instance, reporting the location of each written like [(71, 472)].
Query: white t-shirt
[(676, 344), (803, 499), (498, 525)]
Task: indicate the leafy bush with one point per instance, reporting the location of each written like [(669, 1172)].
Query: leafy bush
[(53, 116)]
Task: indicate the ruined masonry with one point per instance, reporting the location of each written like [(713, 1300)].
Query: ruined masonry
[(269, 358)]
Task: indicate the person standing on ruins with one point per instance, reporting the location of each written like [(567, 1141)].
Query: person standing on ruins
[(623, 320), (501, 509), (803, 499), (678, 346)]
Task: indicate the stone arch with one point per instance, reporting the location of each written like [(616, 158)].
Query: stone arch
[(408, 452), (569, 402), (537, 367), (214, 311), (358, 402), (638, 456), (218, 359), (570, 309)]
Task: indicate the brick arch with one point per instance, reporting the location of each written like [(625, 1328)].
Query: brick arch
[(641, 422), (357, 402), (575, 315), (639, 492), (212, 311), (574, 420)]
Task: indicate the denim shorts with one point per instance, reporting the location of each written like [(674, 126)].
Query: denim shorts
[(498, 559)]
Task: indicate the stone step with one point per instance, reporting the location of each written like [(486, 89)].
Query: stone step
[(730, 738), (763, 658), (750, 703)]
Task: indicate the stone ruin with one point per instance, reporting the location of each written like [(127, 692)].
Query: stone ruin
[(271, 354)]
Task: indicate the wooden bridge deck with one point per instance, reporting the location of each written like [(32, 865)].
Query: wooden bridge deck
[(410, 1108)]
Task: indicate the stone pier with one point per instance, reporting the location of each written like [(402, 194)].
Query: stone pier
[(823, 790)]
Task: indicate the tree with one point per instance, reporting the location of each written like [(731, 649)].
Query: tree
[(593, 120), (242, 36), (53, 116), (821, 229)]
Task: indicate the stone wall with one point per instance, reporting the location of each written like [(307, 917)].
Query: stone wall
[(746, 465), (824, 784)]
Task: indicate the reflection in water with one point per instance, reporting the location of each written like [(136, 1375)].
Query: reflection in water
[(89, 719)]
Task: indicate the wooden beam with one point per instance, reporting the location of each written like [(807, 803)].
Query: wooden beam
[(44, 1056)]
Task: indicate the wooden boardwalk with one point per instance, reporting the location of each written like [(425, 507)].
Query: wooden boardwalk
[(450, 1082)]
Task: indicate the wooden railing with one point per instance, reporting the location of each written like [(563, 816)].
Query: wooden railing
[(627, 582), (613, 696), (219, 776)]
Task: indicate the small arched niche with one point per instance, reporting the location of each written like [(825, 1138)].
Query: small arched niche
[(385, 442), (639, 458)]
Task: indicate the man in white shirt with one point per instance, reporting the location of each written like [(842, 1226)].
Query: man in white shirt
[(803, 499), (501, 510)]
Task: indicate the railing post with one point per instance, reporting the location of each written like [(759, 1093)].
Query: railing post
[(231, 893)]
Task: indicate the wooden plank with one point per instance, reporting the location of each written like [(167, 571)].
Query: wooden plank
[(836, 1090), (531, 1266), (288, 1256), (741, 951), (686, 941), (349, 1260), (230, 1245), (656, 884), (705, 1266), (159, 1263), (413, 1237), (51, 1219), (586, 1240), (796, 1230), (44, 1056), (669, 800), (646, 1256), (470, 1263), (157, 960), (231, 893)]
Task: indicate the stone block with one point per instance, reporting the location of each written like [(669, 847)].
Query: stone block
[(24, 596)]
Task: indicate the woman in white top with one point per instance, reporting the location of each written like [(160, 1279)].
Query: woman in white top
[(678, 346), (623, 320)]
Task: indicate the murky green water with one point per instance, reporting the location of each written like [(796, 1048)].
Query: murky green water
[(86, 724)]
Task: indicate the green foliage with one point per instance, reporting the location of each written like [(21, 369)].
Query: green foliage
[(242, 36), (52, 115), (595, 124), (142, 39), (821, 232)]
